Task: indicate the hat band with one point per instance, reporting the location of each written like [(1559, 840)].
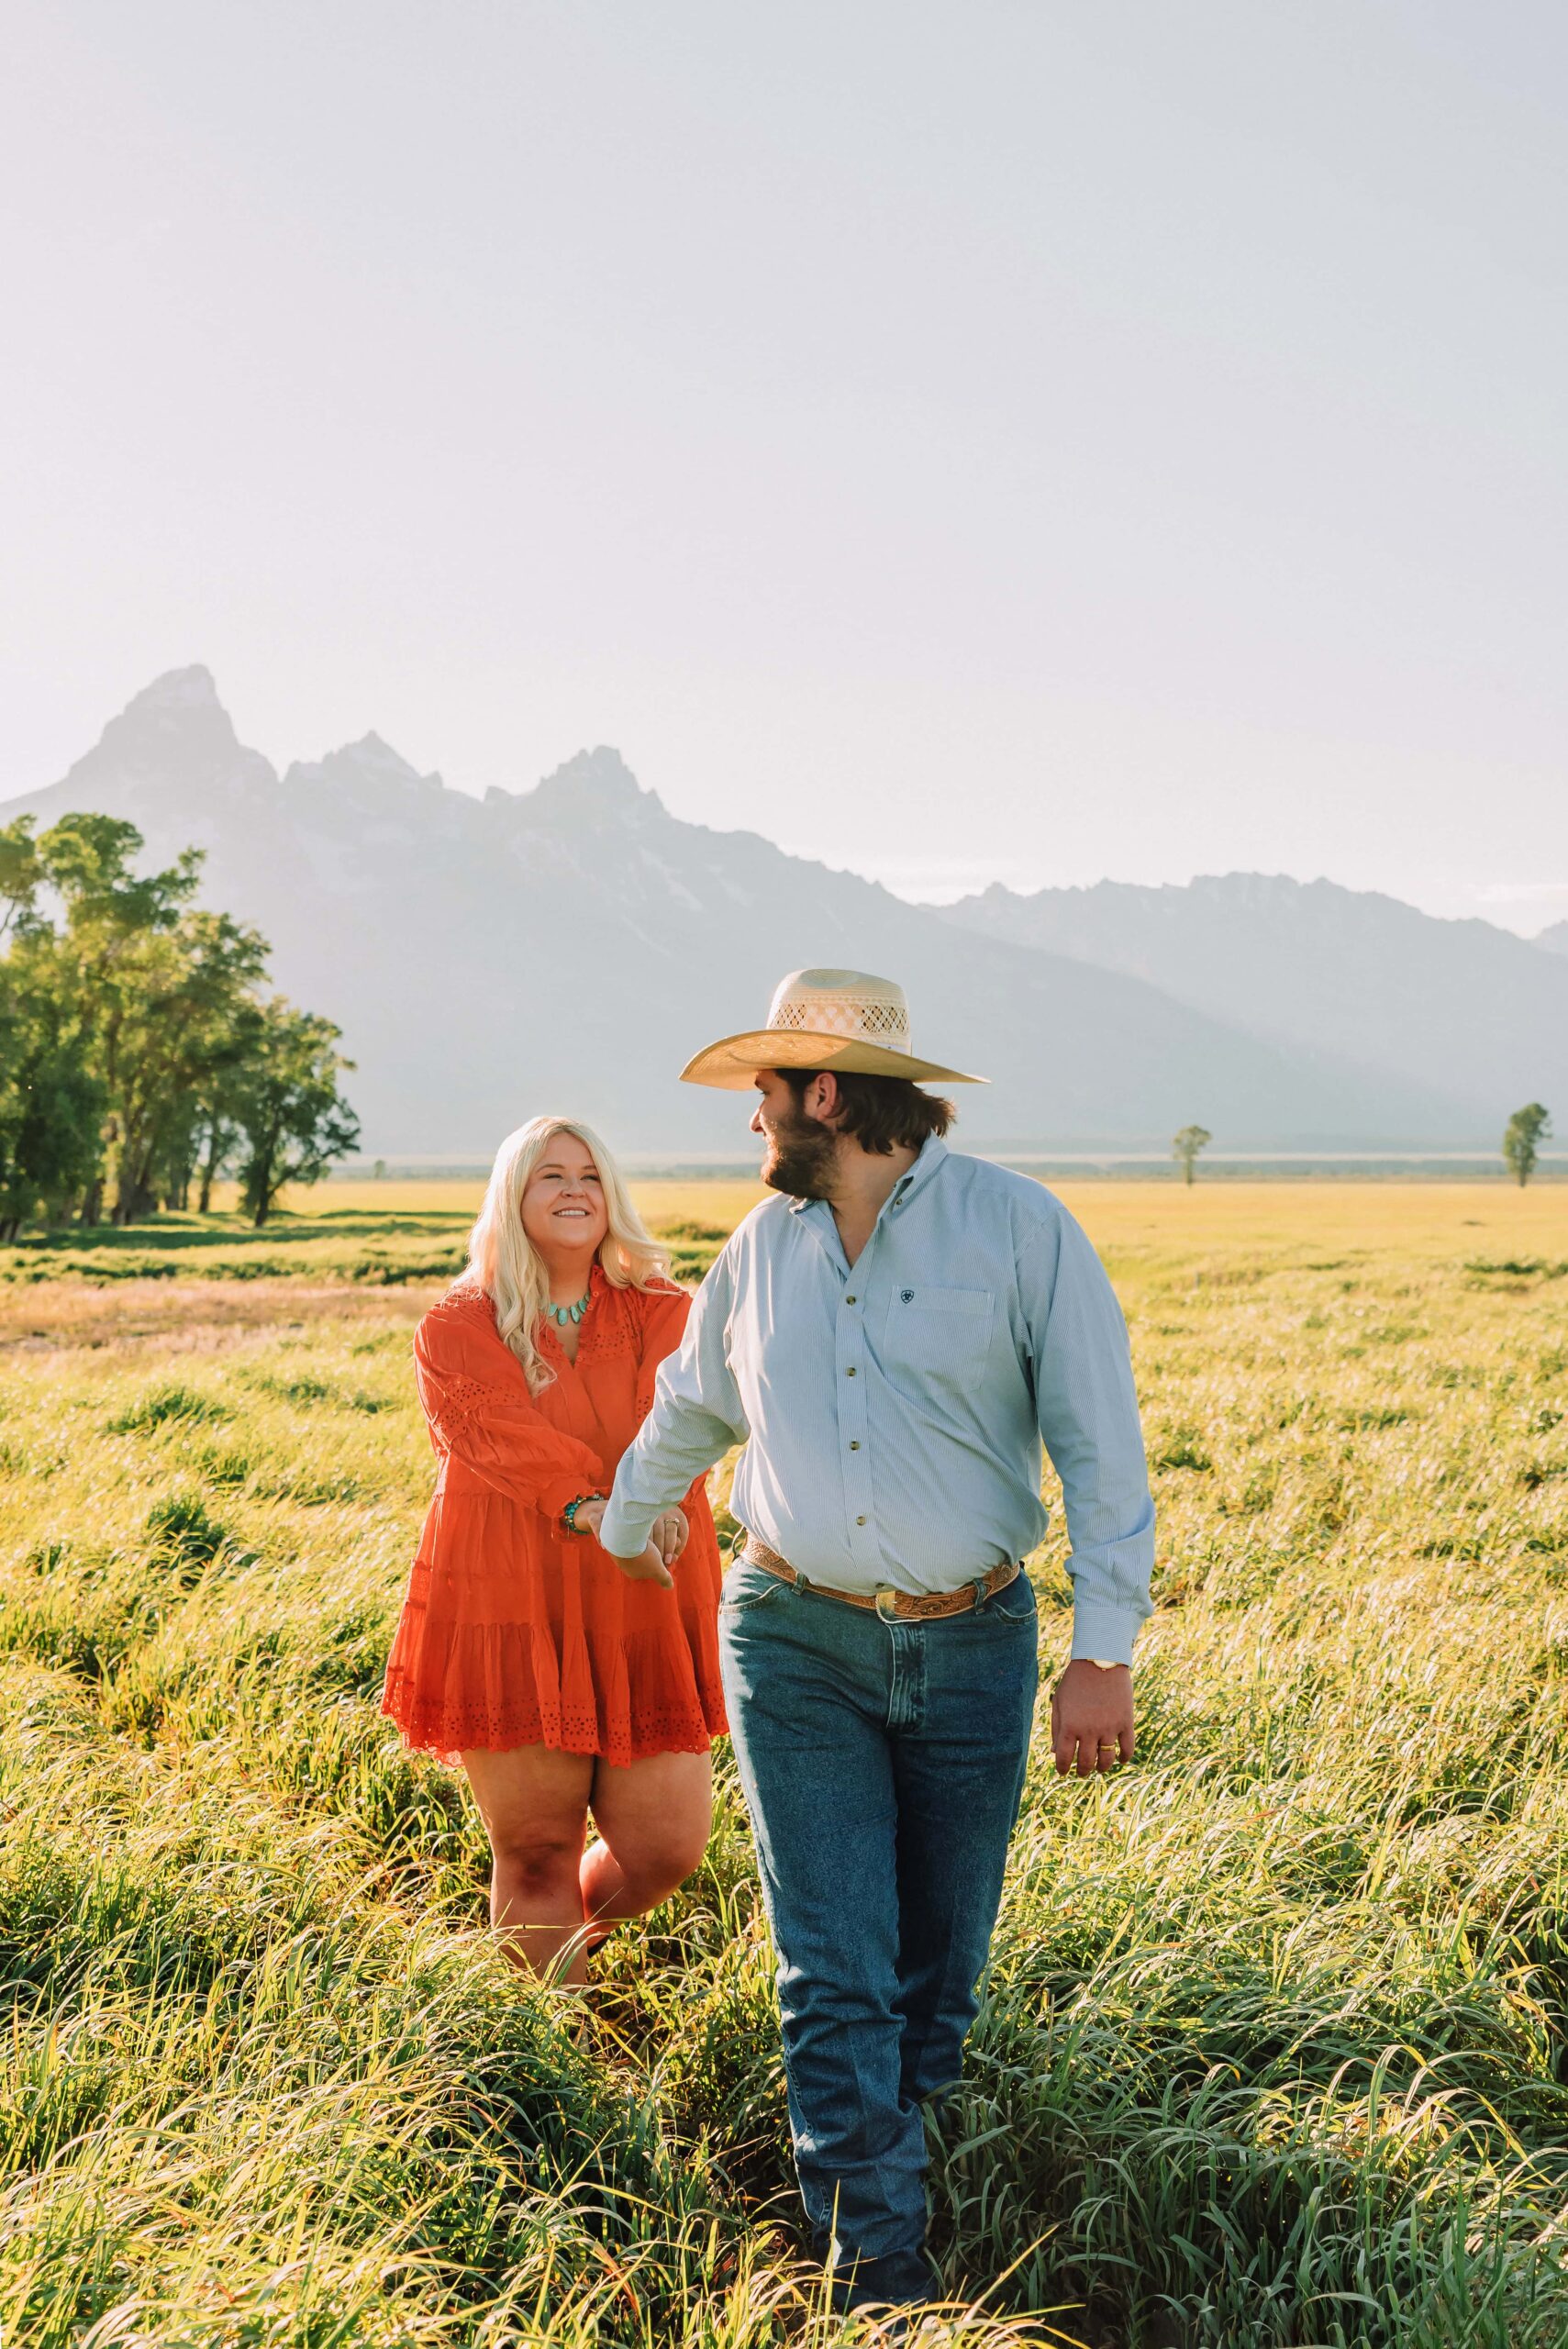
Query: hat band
[(886, 1023)]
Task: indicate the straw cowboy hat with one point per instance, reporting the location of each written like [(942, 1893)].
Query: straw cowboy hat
[(842, 1021)]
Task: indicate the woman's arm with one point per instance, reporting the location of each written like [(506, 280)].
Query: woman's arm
[(481, 1415)]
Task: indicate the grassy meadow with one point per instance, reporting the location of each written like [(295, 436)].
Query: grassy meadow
[(1275, 2045)]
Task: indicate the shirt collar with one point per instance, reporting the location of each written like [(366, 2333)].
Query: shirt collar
[(932, 1153)]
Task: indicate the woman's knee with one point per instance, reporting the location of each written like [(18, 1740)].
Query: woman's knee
[(655, 1864), (535, 1862)]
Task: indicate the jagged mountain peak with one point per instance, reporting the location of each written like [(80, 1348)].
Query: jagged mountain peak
[(181, 702), (596, 782), (1236, 887), (192, 688), (174, 737), (1554, 938), (372, 760)]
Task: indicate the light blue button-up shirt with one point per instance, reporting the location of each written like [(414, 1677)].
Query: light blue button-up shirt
[(893, 1411)]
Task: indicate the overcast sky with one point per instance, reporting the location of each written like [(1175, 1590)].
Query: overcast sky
[(1033, 439)]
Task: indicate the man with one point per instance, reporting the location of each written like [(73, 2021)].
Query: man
[(892, 1339)]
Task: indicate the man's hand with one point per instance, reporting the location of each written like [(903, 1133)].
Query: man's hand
[(651, 1565), (649, 1568), (1091, 1719)]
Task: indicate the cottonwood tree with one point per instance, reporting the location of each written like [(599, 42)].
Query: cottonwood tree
[(1186, 1146), (51, 1104), (52, 1101), (293, 1121), (185, 1019), (135, 1048), (1522, 1138)]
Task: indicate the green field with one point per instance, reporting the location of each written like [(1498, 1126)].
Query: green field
[(1275, 2049)]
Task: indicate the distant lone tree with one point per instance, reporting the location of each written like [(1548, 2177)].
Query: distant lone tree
[(1527, 1129), (1186, 1145)]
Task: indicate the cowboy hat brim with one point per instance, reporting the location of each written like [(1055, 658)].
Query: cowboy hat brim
[(732, 1064)]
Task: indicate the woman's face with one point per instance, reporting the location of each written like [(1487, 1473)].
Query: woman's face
[(563, 1206)]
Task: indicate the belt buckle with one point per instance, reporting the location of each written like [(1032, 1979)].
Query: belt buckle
[(887, 1603)]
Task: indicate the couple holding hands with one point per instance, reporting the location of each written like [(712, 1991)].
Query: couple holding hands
[(891, 1337)]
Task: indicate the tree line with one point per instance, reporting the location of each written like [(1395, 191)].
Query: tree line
[(1522, 1138), (142, 1055)]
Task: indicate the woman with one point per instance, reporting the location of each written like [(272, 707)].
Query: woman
[(562, 1683)]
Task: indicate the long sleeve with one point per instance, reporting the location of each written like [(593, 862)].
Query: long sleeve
[(1087, 1410), (483, 1418), (696, 1416)]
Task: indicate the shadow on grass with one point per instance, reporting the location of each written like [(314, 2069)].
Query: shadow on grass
[(362, 1245), (176, 1232)]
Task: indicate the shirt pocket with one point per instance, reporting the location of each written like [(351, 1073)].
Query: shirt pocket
[(939, 1333)]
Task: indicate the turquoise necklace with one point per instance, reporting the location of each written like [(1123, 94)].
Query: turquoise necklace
[(562, 1314)]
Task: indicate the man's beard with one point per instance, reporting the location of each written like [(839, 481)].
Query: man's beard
[(800, 1157)]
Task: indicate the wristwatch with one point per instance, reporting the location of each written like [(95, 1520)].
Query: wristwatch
[(1105, 1663)]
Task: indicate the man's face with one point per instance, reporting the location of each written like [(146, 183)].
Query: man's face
[(800, 1147)]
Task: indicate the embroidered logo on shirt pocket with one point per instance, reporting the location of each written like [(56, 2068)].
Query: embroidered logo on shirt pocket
[(939, 1333)]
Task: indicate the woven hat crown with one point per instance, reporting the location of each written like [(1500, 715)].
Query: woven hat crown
[(842, 1003)]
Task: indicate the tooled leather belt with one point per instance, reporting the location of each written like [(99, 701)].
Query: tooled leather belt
[(902, 1605)]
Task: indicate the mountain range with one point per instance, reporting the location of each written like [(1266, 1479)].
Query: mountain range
[(570, 945)]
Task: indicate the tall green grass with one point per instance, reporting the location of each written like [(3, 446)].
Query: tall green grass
[(1272, 2051)]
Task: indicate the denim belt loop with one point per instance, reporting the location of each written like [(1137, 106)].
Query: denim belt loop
[(982, 1595)]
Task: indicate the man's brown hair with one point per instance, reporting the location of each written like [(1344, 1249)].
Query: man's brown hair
[(883, 1113)]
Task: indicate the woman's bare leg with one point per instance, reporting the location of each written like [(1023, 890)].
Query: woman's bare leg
[(534, 1803), (654, 1817)]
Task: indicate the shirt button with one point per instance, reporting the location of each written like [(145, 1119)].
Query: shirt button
[(849, 1373), (859, 1521), (848, 1300), (854, 1443)]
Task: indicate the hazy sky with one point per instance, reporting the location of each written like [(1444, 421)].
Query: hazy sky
[(1012, 438)]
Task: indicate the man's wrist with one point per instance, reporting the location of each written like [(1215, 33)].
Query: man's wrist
[(1103, 1632), (625, 1532)]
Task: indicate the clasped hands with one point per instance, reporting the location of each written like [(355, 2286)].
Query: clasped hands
[(665, 1543)]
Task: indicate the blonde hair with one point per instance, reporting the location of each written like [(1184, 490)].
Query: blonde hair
[(508, 1267)]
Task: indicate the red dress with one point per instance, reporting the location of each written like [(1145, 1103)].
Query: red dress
[(514, 1633)]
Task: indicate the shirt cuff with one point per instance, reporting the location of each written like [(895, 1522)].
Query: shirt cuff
[(554, 1496), (628, 1528), (1105, 1632)]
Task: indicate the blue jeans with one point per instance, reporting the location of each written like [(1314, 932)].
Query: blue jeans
[(882, 1763)]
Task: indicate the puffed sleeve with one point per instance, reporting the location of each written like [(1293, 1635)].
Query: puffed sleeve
[(481, 1415)]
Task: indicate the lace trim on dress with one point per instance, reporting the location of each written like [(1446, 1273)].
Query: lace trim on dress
[(465, 1301), (464, 1399), (445, 1730)]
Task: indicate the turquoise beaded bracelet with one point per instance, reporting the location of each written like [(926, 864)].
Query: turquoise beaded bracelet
[(568, 1514)]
